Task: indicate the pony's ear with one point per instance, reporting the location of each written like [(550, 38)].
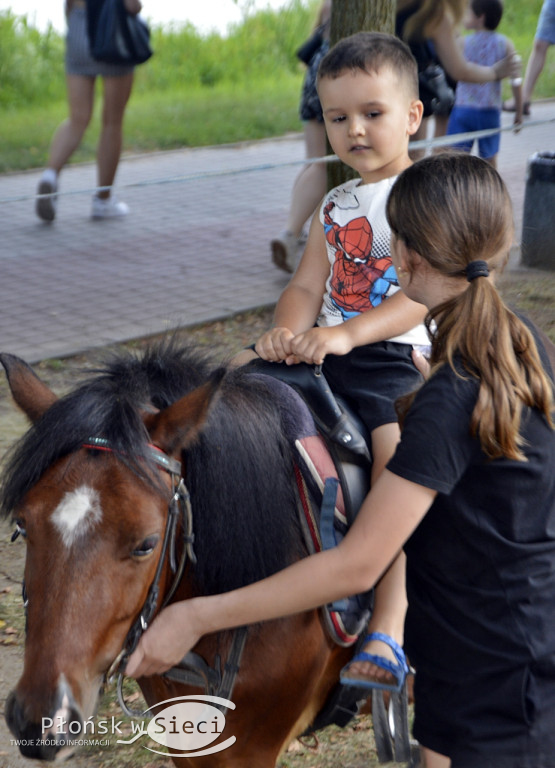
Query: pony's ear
[(29, 392), (177, 426)]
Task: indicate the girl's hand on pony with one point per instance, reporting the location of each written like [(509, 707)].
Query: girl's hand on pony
[(171, 635)]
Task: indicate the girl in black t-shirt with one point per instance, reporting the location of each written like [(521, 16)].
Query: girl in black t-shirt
[(470, 491)]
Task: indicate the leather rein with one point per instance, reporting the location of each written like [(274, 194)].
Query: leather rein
[(192, 669)]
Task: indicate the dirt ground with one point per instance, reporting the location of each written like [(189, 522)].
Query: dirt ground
[(531, 291)]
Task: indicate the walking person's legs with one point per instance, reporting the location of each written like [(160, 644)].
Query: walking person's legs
[(310, 184), (544, 38), (67, 138), (533, 70), (308, 190), (116, 95)]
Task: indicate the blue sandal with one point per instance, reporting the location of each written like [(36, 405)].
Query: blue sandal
[(399, 670)]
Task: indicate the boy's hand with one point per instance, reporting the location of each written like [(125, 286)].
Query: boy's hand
[(313, 345), (275, 345)]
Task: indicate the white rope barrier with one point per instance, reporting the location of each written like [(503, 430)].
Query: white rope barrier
[(428, 143)]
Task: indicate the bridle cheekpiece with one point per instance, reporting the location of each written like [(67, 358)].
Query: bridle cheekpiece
[(179, 510)]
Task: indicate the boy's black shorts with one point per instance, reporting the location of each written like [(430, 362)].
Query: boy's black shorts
[(371, 378)]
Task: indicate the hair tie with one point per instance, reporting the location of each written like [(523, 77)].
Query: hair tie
[(476, 269)]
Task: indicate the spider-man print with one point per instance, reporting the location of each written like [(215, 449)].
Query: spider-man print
[(358, 281)]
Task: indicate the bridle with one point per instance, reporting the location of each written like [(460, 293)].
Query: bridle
[(192, 669), (179, 509)]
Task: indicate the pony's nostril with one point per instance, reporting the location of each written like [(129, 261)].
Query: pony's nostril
[(29, 735)]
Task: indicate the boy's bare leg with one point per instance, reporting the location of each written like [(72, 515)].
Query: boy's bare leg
[(390, 601), (492, 161), (242, 358), (388, 616), (431, 759)]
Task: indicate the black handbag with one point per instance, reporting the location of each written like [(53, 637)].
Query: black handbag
[(120, 37), (435, 91)]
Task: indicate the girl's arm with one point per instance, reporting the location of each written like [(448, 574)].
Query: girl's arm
[(451, 57), (388, 516), (516, 87)]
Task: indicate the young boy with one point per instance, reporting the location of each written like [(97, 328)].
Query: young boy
[(478, 106), (346, 283)]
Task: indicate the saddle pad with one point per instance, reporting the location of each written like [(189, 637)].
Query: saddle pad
[(314, 465)]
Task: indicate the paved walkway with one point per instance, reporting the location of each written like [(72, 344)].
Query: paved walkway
[(195, 246)]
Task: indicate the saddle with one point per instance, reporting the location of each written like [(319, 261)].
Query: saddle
[(332, 471)]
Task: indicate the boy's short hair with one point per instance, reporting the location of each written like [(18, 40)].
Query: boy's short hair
[(369, 52), (492, 10)]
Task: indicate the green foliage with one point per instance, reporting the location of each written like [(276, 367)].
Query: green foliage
[(519, 22), (196, 90), (225, 113), (31, 63), (261, 47)]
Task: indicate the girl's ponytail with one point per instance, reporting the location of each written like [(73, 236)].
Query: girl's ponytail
[(454, 211)]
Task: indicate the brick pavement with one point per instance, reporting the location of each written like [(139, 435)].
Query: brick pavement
[(191, 250)]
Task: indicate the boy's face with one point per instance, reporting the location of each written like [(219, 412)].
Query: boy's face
[(369, 118)]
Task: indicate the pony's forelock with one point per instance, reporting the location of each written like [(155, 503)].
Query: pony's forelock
[(238, 472)]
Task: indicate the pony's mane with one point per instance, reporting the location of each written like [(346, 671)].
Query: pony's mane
[(238, 472)]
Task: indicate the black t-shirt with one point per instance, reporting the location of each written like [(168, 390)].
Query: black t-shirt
[(481, 565)]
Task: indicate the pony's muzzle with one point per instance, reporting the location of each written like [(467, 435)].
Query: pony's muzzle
[(54, 737)]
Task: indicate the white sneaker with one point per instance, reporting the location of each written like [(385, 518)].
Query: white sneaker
[(108, 208), (45, 207)]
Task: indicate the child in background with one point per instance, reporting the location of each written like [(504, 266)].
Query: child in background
[(366, 329), (470, 493), (478, 106)]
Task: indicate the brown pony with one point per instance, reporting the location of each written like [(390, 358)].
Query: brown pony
[(90, 487)]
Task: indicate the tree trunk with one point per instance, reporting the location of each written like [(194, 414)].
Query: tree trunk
[(348, 17)]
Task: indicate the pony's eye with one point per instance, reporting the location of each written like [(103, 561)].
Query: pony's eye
[(19, 530), (146, 547)]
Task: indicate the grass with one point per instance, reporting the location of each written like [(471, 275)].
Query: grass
[(195, 91), (167, 120)]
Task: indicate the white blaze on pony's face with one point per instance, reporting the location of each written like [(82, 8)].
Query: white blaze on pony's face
[(77, 512)]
